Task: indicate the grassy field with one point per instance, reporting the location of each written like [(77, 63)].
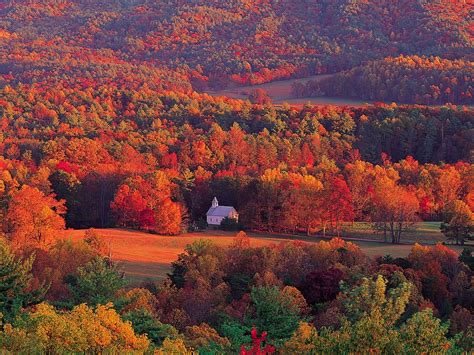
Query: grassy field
[(422, 232), (143, 256), (281, 92)]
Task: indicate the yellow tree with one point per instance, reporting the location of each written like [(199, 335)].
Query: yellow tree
[(81, 330), (303, 204), (173, 346), (302, 341)]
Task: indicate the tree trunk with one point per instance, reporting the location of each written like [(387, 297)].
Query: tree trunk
[(392, 233), (399, 233)]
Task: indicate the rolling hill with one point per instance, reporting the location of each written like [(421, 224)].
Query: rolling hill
[(169, 44)]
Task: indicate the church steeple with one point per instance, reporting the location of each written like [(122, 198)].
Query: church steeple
[(215, 203)]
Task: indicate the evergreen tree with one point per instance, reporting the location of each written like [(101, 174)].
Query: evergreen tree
[(97, 282), (15, 283)]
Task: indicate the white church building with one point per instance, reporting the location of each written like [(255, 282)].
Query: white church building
[(217, 213)]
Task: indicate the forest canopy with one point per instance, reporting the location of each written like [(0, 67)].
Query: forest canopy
[(209, 43), (412, 79)]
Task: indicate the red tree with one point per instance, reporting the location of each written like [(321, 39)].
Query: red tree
[(259, 346)]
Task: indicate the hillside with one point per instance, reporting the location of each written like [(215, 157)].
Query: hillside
[(210, 43), (411, 79)]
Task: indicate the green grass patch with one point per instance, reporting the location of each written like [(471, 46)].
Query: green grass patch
[(421, 232)]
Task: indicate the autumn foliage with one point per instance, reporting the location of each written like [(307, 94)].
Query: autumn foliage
[(209, 44), (407, 79), (33, 218), (108, 119), (216, 298), (147, 205)]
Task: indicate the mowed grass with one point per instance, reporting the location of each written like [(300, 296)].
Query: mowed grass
[(421, 232), (143, 256)]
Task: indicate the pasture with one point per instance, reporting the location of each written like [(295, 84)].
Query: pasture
[(421, 232), (143, 256), (281, 92)]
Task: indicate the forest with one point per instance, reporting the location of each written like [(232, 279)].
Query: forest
[(152, 160), (108, 119), (132, 158), (217, 43), (413, 79)]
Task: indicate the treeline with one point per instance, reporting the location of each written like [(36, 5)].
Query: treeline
[(322, 198), (212, 43), (154, 161), (411, 79), (289, 298)]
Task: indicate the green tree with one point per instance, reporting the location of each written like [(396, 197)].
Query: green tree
[(467, 258), (15, 283), (144, 322), (236, 332), (424, 333), (372, 298), (95, 283), (372, 312), (276, 312), (372, 325)]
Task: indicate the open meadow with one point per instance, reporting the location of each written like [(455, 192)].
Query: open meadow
[(144, 256), (421, 232), (281, 92)]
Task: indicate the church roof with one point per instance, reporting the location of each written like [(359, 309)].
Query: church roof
[(220, 211)]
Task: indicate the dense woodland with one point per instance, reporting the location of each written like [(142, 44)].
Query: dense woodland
[(141, 158), (210, 43), (410, 79), (102, 125)]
